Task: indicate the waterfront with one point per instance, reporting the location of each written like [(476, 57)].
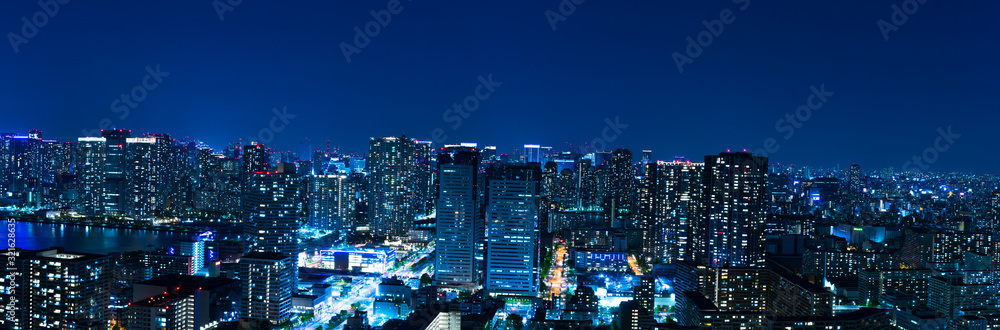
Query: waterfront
[(78, 238)]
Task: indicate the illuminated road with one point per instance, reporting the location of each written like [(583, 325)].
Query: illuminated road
[(556, 279), (634, 265), (364, 292)]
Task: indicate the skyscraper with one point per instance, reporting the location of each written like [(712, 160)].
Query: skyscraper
[(853, 179), (736, 203), (331, 202), (142, 171), (424, 189), (672, 207), (270, 271), (57, 289), (621, 191), (532, 153), (115, 158), (512, 230), (6, 161), (458, 224), (256, 158), (267, 282), (28, 163), (392, 182), (272, 215), (90, 175)]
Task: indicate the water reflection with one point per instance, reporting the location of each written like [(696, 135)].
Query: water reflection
[(34, 236)]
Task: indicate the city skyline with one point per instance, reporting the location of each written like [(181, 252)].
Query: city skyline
[(913, 164), (554, 164)]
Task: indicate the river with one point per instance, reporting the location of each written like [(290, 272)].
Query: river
[(100, 240)]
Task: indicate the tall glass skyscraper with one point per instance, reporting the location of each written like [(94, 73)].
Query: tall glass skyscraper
[(512, 230), (115, 187), (458, 225)]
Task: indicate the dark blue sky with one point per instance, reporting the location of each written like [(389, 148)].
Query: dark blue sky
[(607, 59)]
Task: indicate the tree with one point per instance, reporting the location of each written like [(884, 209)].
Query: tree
[(426, 280), (515, 321)]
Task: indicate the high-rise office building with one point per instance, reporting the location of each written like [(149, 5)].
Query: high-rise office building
[(512, 230), (458, 225), (532, 153), (736, 203), (115, 159), (671, 206), (90, 175), (392, 173), (332, 199), (57, 289), (268, 284), (142, 171)]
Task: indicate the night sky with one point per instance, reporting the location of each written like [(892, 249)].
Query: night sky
[(607, 59)]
